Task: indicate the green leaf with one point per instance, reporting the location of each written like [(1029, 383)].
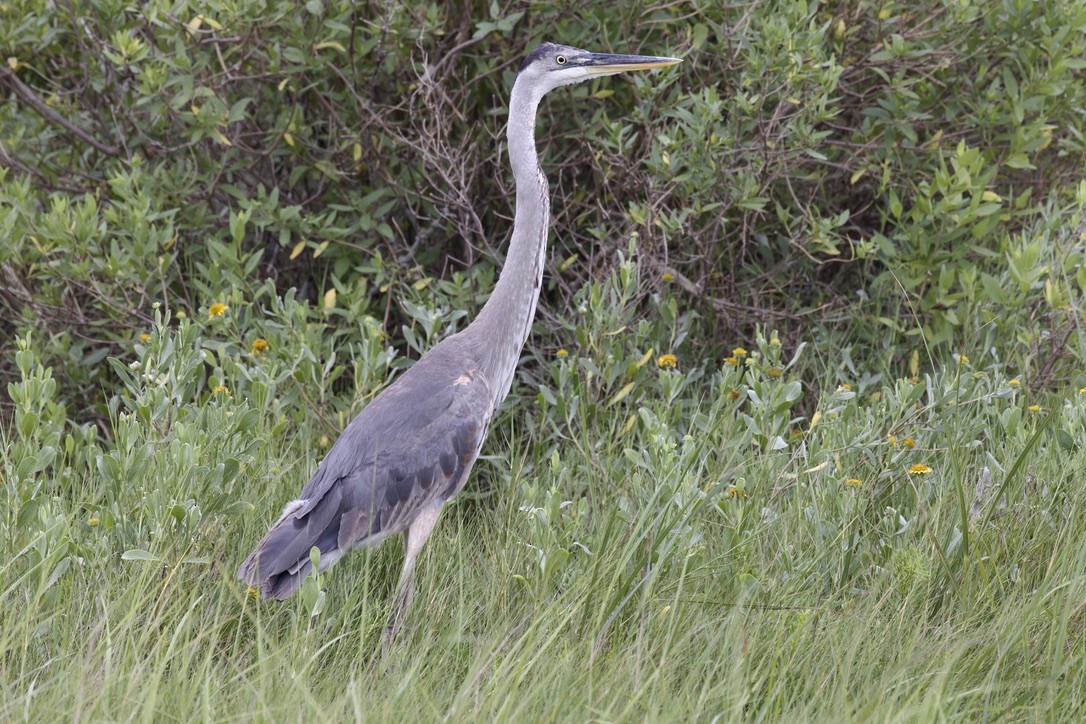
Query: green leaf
[(138, 554)]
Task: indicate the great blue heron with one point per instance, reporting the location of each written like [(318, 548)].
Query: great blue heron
[(410, 450)]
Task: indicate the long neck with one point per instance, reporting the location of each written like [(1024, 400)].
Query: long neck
[(505, 320)]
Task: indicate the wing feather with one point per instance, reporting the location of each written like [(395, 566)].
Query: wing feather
[(414, 444)]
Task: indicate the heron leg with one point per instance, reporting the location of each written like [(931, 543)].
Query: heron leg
[(414, 538)]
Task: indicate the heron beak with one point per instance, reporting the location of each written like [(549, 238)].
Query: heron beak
[(607, 64)]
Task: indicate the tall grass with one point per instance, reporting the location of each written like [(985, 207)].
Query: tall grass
[(707, 543)]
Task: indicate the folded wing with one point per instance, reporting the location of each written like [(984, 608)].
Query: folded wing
[(411, 447)]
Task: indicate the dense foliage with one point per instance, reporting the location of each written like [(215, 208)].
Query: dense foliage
[(922, 156), (798, 434)]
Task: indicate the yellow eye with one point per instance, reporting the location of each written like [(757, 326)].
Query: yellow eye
[(560, 60)]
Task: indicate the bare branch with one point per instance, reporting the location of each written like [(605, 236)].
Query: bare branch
[(32, 99)]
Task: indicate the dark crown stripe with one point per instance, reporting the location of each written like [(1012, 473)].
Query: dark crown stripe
[(541, 50)]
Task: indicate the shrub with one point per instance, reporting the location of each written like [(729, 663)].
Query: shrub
[(181, 153)]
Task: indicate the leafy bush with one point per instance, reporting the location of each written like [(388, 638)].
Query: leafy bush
[(801, 153)]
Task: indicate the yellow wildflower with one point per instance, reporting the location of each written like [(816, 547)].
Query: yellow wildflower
[(774, 372), (253, 592), (739, 352), (216, 310), (1082, 391), (1014, 382), (260, 346), (733, 395), (845, 387), (963, 359), (919, 469), (909, 442), (667, 276), (93, 521), (1034, 408), (667, 361), (733, 361), (736, 491), (854, 482), (221, 390), (892, 439), (775, 340), (562, 353), (145, 337)]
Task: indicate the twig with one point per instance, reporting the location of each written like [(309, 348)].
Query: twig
[(34, 101)]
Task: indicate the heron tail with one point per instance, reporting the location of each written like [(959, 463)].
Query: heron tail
[(281, 561)]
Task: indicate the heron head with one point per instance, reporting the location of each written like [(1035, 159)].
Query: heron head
[(550, 66)]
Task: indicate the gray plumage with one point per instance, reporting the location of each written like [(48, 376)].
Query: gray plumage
[(411, 449), (371, 483)]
